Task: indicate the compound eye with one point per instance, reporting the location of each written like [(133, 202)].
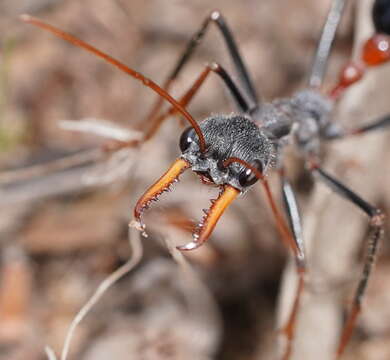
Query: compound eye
[(186, 139), (247, 177)]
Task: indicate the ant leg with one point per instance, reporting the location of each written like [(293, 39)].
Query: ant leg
[(293, 216), (294, 219), (287, 237), (377, 124), (321, 56), (157, 121), (376, 230), (190, 93), (218, 19), (298, 251)]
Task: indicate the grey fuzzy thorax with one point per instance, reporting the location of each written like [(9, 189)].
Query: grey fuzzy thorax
[(305, 116)]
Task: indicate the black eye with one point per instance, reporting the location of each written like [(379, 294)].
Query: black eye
[(186, 139), (247, 177)]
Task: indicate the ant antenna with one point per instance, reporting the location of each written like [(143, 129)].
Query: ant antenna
[(323, 50), (138, 76)]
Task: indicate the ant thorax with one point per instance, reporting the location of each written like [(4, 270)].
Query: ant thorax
[(301, 119), (228, 136)]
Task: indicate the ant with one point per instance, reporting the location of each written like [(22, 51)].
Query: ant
[(234, 151)]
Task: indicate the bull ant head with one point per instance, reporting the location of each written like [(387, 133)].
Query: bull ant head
[(232, 153)]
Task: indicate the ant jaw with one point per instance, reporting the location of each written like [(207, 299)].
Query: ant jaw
[(203, 231), (161, 185), (206, 226)]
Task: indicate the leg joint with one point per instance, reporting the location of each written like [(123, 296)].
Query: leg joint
[(377, 218), (215, 15)]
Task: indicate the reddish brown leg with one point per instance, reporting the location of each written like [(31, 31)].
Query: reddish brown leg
[(188, 96), (158, 120), (293, 242), (289, 329), (376, 230)]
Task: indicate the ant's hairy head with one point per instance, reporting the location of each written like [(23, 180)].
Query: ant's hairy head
[(228, 136)]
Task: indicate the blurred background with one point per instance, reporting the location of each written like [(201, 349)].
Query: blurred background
[(63, 232)]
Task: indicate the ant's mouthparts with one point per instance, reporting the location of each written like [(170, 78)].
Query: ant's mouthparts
[(160, 186), (211, 217)]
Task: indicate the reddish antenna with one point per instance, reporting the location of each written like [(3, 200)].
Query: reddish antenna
[(147, 82)]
